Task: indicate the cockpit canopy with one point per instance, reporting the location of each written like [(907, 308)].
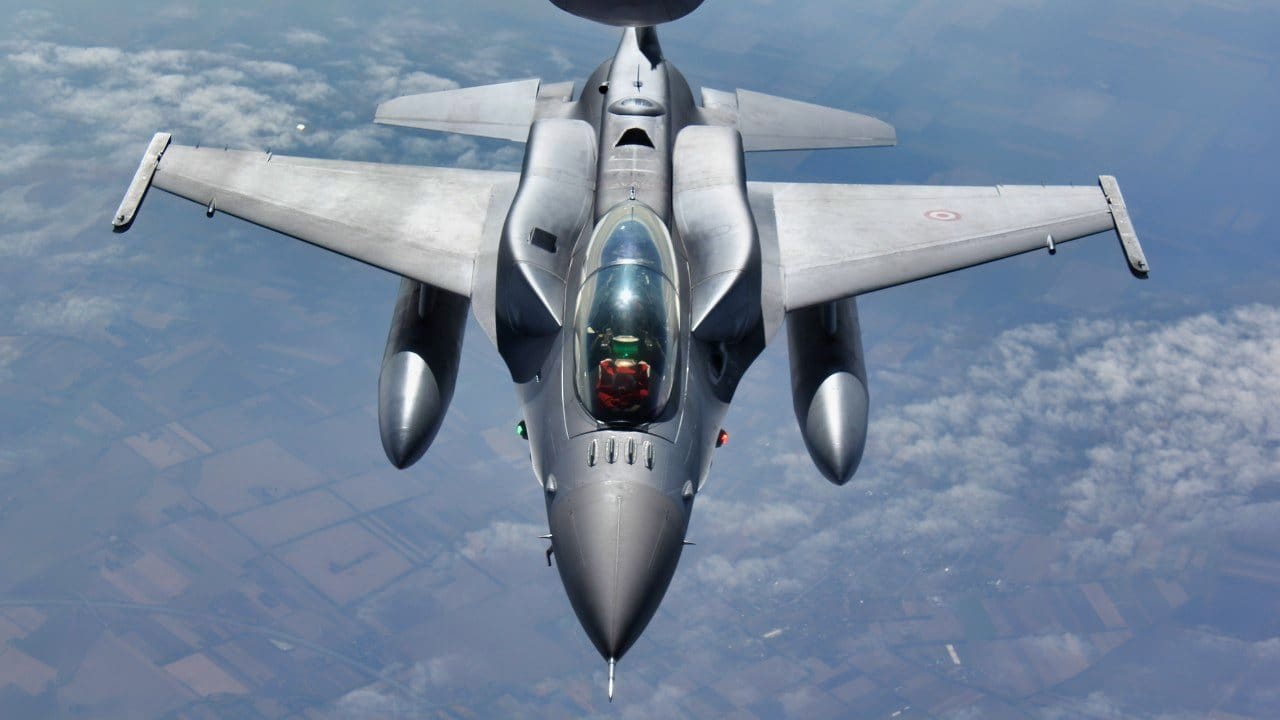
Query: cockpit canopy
[(628, 318)]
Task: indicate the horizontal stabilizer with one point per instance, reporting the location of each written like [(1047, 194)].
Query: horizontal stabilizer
[(503, 111), (773, 123)]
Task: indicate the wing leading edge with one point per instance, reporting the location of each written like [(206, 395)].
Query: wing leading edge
[(836, 241), (423, 223)]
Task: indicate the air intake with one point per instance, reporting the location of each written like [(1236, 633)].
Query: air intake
[(635, 136)]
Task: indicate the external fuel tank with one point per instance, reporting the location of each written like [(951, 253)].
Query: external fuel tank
[(419, 369), (829, 385)]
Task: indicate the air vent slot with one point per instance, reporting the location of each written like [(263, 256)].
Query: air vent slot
[(542, 239), (635, 136)]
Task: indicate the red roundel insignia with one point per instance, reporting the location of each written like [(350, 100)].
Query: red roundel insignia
[(943, 215)]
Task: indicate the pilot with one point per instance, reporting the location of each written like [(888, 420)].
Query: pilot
[(622, 385)]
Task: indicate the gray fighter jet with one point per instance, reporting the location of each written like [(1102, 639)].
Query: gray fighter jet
[(628, 275)]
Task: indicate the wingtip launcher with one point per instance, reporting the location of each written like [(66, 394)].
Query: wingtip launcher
[(141, 183), (1124, 227)]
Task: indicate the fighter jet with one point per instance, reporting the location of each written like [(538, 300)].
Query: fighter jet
[(628, 276)]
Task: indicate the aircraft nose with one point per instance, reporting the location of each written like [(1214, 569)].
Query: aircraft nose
[(617, 544)]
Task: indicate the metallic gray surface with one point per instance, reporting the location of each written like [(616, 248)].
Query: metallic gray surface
[(773, 123), (1124, 227), (504, 111), (137, 190), (410, 408), (617, 543), (829, 385), (557, 187), (419, 369), (629, 12), (637, 172), (835, 428), (419, 222), (619, 497), (842, 240), (713, 215)]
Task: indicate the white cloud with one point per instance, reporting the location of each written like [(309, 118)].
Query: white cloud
[(411, 694), (500, 538), (663, 703), (121, 97), (1096, 705), (560, 60), (369, 703), (10, 351), (16, 159), (736, 517), (754, 574), (304, 37), (422, 82), (1266, 650), (1139, 428), (1119, 432), (70, 315)]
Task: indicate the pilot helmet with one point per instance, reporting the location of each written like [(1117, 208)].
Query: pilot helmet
[(625, 347)]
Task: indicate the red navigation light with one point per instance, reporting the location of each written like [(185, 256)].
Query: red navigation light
[(722, 439)]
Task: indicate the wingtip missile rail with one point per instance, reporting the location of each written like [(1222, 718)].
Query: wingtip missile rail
[(137, 191), (1124, 228)]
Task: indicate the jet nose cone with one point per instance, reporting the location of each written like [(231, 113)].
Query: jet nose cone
[(617, 545)]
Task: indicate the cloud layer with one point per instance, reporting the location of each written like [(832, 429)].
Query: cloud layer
[(1103, 435)]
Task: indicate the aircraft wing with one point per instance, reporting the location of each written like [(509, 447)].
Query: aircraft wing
[(836, 241), (423, 223)]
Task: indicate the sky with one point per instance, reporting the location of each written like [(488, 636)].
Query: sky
[(1066, 508)]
